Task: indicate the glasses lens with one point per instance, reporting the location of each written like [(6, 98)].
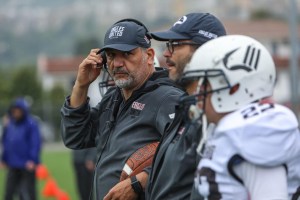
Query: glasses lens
[(170, 47)]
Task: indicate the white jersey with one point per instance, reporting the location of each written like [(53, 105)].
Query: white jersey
[(265, 135)]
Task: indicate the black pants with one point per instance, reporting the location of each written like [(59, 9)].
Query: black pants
[(21, 183), (84, 180)]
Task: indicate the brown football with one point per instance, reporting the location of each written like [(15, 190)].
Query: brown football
[(139, 160)]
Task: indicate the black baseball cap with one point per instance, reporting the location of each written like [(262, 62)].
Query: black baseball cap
[(126, 36), (198, 27)]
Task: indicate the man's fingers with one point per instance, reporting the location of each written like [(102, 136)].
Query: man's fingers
[(108, 196), (94, 51), (89, 61), (96, 57), (93, 57)]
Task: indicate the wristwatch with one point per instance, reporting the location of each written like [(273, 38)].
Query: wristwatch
[(136, 185)]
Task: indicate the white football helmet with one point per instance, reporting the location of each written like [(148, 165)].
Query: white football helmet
[(228, 61)]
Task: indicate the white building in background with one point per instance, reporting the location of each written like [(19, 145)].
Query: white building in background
[(63, 71), (57, 71)]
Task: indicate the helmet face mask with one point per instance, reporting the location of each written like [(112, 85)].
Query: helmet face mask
[(231, 61), (202, 76), (105, 83)]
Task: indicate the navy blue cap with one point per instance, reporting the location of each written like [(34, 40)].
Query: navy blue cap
[(126, 36), (198, 27)]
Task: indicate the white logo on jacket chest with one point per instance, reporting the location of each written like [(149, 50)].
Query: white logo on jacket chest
[(172, 116), (138, 106)]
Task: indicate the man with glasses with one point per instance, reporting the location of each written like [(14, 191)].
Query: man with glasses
[(176, 159), (185, 36), (131, 115)]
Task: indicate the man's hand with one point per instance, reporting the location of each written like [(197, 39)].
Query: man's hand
[(88, 70), (87, 73), (90, 165), (30, 165), (122, 191), (2, 165)]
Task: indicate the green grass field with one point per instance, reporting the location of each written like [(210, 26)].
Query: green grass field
[(60, 168)]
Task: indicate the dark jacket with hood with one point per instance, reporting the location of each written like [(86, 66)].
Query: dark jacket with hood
[(118, 128), (21, 139)]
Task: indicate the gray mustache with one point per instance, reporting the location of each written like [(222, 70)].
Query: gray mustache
[(168, 61), (120, 70)]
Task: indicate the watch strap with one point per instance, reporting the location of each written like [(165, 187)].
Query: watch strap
[(136, 185)]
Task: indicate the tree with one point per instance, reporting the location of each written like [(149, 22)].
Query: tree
[(261, 14), (55, 100), (25, 83), (19, 82), (5, 99), (83, 46)]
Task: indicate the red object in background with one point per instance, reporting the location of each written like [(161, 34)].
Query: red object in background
[(50, 189), (61, 195), (41, 172)]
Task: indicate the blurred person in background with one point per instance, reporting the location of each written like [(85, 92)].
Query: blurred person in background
[(84, 161), (21, 142)]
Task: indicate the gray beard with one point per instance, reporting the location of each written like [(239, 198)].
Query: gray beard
[(124, 83)]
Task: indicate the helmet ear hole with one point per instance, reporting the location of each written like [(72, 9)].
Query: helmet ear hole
[(234, 89)]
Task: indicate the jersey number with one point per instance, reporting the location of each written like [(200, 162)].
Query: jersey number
[(208, 187), (256, 110)]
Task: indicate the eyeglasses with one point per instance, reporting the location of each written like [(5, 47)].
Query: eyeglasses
[(171, 44)]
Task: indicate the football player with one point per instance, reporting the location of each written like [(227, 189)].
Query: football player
[(251, 149)]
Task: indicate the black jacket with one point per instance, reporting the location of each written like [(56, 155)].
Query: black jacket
[(175, 162), (119, 128)]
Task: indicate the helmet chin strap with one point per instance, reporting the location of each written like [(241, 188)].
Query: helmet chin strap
[(204, 134), (207, 130), (196, 114)]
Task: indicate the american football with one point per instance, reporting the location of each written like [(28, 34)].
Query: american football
[(140, 159)]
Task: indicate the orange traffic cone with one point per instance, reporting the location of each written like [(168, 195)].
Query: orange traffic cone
[(41, 172), (62, 196), (50, 189)]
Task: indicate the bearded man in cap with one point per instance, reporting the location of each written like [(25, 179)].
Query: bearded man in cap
[(176, 159), (135, 112)]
